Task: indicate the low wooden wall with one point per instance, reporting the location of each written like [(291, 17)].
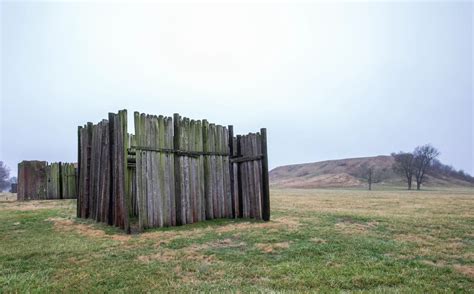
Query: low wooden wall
[(32, 179), (39, 180), (172, 171)]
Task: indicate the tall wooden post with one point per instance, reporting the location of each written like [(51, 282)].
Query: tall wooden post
[(61, 196), (177, 170), (231, 168), (239, 176), (112, 196), (123, 170), (78, 184), (265, 180)]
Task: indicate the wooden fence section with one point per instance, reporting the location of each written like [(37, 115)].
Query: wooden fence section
[(190, 203), (68, 180), (54, 181), (154, 172), (172, 171), (102, 170), (248, 166), (40, 180), (32, 180), (216, 171)]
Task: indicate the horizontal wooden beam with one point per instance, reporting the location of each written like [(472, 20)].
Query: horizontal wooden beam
[(245, 158), (131, 151)]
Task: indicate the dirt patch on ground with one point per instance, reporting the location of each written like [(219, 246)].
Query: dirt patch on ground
[(351, 227), (190, 276), (277, 223), (432, 263), (318, 240), (468, 270), (168, 236), (425, 240), (454, 245), (271, 247), (427, 245), (68, 225), (186, 276), (164, 237), (191, 253), (164, 255), (468, 256), (224, 243), (77, 262)]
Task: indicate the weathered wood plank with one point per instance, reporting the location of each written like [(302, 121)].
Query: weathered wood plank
[(209, 211), (230, 142), (227, 178), (256, 177), (170, 169), (239, 168), (219, 177), (265, 179), (79, 159), (123, 169), (215, 187), (177, 170), (200, 173), (162, 205)]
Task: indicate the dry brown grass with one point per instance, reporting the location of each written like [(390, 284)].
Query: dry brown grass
[(317, 240), (193, 252), (377, 203), (164, 237), (36, 204), (161, 238), (7, 196), (468, 270), (270, 247), (68, 225), (321, 181), (350, 227), (418, 219)]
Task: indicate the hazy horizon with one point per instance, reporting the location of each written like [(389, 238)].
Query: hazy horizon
[(328, 80)]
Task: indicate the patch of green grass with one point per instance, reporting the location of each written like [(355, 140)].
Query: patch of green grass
[(318, 240)]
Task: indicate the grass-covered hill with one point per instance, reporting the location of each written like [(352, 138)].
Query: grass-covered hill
[(346, 173)]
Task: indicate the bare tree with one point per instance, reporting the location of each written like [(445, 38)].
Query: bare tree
[(369, 173), (4, 176), (404, 166), (423, 158)]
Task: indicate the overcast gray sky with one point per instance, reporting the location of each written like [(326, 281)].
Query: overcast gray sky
[(329, 80)]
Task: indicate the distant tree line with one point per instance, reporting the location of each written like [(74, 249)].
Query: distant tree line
[(5, 180), (441, 169)]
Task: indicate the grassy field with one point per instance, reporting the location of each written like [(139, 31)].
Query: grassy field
[(318, 240)]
